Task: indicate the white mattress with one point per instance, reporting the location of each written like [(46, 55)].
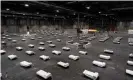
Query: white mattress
[(73, 57), (23, 39), (25, 63), (130, 72), (52, 45), (99, 63), (31, 45), (59, 40), (14, 41), (49, 41), (131, 55), (44, 74), (63, 64), (108, 51), (104, 57), (41, 48), (83, 52), (90, 74), (41, 43), (2, 51), (19, 48), (130, 62), (44, 57), (30, 52), (65, 48), (12, 57), (56, 52)]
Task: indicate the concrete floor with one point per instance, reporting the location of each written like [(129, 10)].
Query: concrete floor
[(115, 69)]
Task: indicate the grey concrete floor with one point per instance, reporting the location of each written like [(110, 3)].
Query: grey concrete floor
[(115, 69)]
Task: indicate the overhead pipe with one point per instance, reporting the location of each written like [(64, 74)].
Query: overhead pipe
[(14, 12), (46, 4), (127, 8)]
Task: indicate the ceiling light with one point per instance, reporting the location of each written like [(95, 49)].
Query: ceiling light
[(106, 15), (88, 7), (7, 9), (99, 12), (55, 15), (57, 10), (73, 13), (37, 13), (23, 14), (26, 5)]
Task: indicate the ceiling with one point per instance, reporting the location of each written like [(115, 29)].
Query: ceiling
[(114, 10)]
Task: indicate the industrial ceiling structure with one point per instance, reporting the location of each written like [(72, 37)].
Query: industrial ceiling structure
[(114, 10)]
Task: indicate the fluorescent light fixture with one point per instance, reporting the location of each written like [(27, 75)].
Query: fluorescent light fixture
[(7, 9), (37, 13), (26, 5), (57, 10), (88, 7)]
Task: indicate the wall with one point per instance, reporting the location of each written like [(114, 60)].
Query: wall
[(124, 26)]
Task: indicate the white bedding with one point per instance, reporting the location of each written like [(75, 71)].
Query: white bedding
[(44, 74), (12, 57), (63, 64), (92, 75)]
